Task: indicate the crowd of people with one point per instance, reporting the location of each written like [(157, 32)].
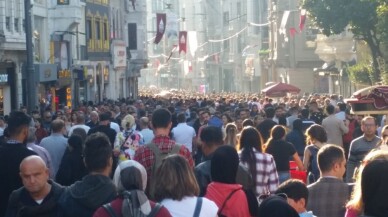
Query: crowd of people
[(185, 154)]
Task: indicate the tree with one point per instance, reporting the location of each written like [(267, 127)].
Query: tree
[(361, 16)]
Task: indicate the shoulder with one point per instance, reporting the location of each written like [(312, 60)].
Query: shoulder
[(209, 206)]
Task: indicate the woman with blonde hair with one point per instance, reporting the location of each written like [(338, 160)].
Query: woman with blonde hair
[(128, 140), (383, 144), (231, 135), (177, 189), (355, 206)]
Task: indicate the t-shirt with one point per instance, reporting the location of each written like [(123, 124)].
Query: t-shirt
[(281, 152), (186, 207)]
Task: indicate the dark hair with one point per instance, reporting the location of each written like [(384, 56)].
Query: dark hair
[(305, 113), (330, 109), (224, 165), (98, 152), (57, 125), (80, 132), (294, 189), (342, 106), (250, 138), (211, 135), (161, 118), (227, 117), (277, 132), (181, 117), (16, 121), (75, 142), (316, 132), (131, 179), (247, 122), (176, 179), (269, 112), (329, 155)]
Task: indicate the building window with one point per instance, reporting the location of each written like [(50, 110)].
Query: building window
[(89, 29), (8, 23), (132, 36), (63, 2), (24, 24), (16, 23)]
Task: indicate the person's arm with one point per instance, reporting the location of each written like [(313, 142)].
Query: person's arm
[(306, 158), (344, 128), (296, 158)]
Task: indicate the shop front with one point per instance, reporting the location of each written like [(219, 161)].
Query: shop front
[(46, 77), (8, 93)]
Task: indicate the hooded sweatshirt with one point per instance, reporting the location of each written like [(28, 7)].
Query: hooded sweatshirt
[(85, 196), (236, 206)]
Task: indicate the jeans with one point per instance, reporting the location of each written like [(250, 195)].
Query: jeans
[(283, 176)]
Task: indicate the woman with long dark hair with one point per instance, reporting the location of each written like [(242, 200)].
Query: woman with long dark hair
[(282, 151), (261, 165)]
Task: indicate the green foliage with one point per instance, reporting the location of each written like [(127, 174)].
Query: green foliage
[(263, 53), (361, 73)]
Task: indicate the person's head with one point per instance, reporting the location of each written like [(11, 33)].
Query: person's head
[(247, 122), (305, 113), (276, 206), (176, 179), (231, 133), (226, 119), (161, 118), (277, 132), (94, 116), (384, 135), (369, 126), (278, 111), (31, 138), (57, 126), (331, 161), (98, 153), (244, 114), (80, 118), (128, 122), (130, 175), (144, 122), (330, 109), (297, 194), (211, 138), (224, 165), (269, 112), (297, 125), (80, 132), (18, 123), (250, 137), (257, 120), (294, 111), (239, 123), (374, 188), (205, 116), (341, 106), (181, 117), (35, 174), (104, 118), (316, 133), (75, 143)]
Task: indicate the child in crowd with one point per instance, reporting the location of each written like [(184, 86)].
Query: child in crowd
[(297, 194)]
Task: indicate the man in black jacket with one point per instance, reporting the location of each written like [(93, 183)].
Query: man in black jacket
[(96, 189), (11, 155), (39, 196)]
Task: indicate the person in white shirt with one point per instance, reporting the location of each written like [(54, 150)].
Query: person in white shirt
[(80, 124), (183, 133), (148, 135)]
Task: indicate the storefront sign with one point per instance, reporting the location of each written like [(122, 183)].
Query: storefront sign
[(47, 72), (119, 54), (68, 97)]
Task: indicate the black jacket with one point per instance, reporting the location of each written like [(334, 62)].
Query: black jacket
[(22, 205), (109, 132), (84, 197), (11, 155), (72, 167)]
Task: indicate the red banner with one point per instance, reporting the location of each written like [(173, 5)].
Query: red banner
[(293, 31), (182, 41), (302, 19), (160, 27)]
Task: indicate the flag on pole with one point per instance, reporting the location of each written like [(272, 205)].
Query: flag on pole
[(193, 42), (182, 41), (160, 27), (293, 31), (302, 19), (282, 29)]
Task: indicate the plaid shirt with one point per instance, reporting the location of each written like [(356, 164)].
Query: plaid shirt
[(267, 180), (146, 157)]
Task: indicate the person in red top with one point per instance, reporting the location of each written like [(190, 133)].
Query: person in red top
[(161, 122), (223, 190)]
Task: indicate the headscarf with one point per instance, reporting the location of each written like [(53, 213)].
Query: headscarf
[(126, 164), (224, 165)]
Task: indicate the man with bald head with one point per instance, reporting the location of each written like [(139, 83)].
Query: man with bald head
[(39, 195), (11, 154)]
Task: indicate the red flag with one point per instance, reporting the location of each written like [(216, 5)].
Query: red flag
[(160, 27), (293, 31), (302, 19), (182, 41)]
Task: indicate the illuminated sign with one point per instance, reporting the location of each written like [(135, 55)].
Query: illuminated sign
[(64, 73), (63, 2), (3, 78), (68, 97)]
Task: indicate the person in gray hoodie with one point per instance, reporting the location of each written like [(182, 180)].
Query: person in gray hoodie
[(84, 197)]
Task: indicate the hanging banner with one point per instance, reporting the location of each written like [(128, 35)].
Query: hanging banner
[(172, 25), (182, 41), (302, 20), (282, 29), (160, 27), (193, 42)]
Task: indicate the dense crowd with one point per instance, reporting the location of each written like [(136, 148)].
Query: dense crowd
[(178, 153)]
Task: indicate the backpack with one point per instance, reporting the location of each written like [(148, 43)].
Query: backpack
[(109, 209), (130, 145), (313, 168), (158, 158)]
